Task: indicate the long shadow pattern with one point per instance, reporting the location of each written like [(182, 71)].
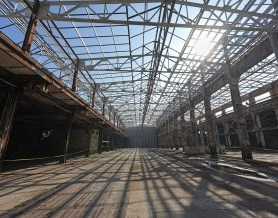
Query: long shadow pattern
[(137, 183)]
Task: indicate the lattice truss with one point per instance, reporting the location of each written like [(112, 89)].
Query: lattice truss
[(142, 56)]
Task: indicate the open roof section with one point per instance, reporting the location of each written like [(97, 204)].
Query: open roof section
[(144, 54)]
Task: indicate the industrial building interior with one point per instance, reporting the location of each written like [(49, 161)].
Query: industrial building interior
[(159, 108)]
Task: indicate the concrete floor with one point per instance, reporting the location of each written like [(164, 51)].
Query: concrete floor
[(134, 183)]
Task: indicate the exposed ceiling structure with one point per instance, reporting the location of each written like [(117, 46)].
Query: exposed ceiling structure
[(142, 56)]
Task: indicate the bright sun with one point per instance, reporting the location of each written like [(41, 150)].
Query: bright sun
[(202, 46)]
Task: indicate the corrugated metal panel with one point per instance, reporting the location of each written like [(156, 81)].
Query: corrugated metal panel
[(142, 137)]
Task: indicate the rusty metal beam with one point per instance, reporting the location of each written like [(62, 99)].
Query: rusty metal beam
[(31, 29), (7, 121), (65, 145)]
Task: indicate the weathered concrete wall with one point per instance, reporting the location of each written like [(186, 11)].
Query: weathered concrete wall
[(142, 137), (79, 140), (94, 140)]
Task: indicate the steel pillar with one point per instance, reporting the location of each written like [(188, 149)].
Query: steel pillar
[(238, 108), (202, 137), (100, 138), (7, 121), (74, 80), (31, 28), (65, 145), (240, 120), (183, 132), (227, 134), (194, 140), (175, 133), (89, 135), (93, 98), (211, 137), (259, 130)]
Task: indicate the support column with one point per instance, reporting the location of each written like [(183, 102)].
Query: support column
[(103, 106), (64, 148), (31, 29), (194, 140), (175, 133), (183, 132), (227, 134), (202, 137), (210, 126), (238, 109), (74, 80), (240, 120), (183, 129), (169, 134), (100, 139), (89, 135), (259, 130), (7, 121)]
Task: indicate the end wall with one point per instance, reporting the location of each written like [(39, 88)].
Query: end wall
[(142, 137)]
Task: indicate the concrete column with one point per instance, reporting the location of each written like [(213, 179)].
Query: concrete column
[(259, 130), (65, 145), (211, 138), (238, 109), (100, 139), (88, 133), (226, 130), (7, 121), (227, 134), (240, 120), (216, 133), (194, 140), (202, 137), (175, 133), (276, 112), (169, 134), (183, 132), (110, 111), (182, 123)]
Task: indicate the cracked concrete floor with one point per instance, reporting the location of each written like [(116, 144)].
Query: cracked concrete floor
[(133, 183)]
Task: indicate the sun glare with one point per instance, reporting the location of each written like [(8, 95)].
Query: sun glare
[(202, 46)]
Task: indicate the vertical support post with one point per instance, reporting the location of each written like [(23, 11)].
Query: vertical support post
[(259, 130), (64, 148), (74, 80), (193, 123), (227, 134), (238, 109), (110, 111), (100, 138), (7, 121), (226, 130), (168, 133), (183, 130), (93, 98), (210, 126), (202, 136), (95, 90), (211, 135), (175, 133), (31, 28), (103, 106), (89, 135)]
